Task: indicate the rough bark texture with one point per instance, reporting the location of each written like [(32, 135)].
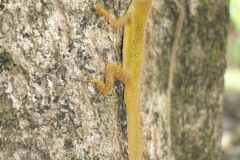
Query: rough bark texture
[(46, 113), (197, 80)]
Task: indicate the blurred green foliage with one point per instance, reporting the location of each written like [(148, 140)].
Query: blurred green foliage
[(234, 49), (235, 13), (234, 43)]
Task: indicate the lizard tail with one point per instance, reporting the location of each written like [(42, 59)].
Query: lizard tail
[(133, 123)]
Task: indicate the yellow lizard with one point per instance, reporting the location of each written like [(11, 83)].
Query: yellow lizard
[(134, 22)]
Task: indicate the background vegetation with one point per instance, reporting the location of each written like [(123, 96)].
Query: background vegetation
[(231, 120)]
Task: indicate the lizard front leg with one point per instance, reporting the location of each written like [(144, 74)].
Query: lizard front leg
[(114, 22)]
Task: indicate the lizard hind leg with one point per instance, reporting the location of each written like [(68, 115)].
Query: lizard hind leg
[(112, 71)]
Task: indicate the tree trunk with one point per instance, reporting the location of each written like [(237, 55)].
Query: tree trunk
[(46, 47)]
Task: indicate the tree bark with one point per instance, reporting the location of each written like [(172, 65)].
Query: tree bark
[(46, 47)]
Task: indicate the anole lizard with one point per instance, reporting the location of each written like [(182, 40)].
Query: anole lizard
[(134, 22)]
